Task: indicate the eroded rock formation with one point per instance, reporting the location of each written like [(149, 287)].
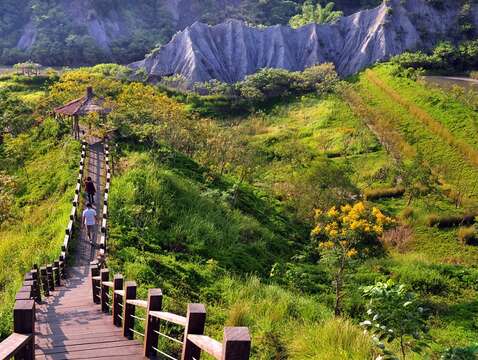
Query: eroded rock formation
[(231, 50)]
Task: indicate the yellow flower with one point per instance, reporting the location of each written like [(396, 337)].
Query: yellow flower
[(378, 229), (333, 233), (332, 212), (346, 208), (316, 231), (326, 245), (318, 212), (351, 253)]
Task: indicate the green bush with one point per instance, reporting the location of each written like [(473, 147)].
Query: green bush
[(393, 192), (461, 353), (447, 221)]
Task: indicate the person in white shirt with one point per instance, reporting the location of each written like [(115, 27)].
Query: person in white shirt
[(89, 219)]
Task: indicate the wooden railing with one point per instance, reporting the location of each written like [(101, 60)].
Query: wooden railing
[(118, 298), (37, 283)]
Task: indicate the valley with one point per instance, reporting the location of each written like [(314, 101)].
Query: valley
[(307, 171), (222, 213)]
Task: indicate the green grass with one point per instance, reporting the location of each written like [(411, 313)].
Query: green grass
[(183, 235), (42, 207)]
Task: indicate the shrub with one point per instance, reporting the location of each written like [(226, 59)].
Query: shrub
[(461, 353), (467, 235), (447, 221), (474, 75), (394, 314), (391, 192)]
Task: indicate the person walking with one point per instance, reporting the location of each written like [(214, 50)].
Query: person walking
[(90, 190), (89, 219)]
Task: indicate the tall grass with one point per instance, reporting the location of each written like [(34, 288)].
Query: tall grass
[(44, 205), (290, 325)]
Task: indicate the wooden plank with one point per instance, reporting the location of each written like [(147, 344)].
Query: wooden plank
[(119, 342), (12, 344), (130, 351), (170, 317), (136, 302), (108, 283), (119, 292), (207, 344), (112, 331)]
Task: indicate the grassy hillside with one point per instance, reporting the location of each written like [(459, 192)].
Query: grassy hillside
[(173, 229), (220, 211), (34, 201)]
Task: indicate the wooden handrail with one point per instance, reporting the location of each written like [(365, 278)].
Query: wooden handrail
[(136, 302), (13, 344), (169, 317), (108, 284), (207, 344)]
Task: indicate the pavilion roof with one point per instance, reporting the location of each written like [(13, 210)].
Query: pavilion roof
[(84, 105)]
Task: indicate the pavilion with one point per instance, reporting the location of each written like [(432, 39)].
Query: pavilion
[(81, 107)]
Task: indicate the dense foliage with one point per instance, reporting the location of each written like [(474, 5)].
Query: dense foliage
[(256, 90), (315, 14), (446, 58)]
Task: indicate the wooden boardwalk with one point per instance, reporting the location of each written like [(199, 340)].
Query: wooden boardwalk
[(69, 325)]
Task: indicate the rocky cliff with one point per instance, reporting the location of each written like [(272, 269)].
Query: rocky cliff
[(231, 50), (82, 32)]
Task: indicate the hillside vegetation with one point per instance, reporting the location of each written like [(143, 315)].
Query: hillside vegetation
[(34, 195), (292, 217)]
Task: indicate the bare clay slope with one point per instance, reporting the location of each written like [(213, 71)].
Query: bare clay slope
[(231, 50)]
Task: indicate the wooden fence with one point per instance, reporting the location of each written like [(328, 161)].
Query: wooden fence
[(118, 298), (38, 282)]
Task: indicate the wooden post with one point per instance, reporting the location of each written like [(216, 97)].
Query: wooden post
[(56, 265), (64, 253), (155, 303), (31, 284), (44, 281), (236, 343), (117, 299), (104, 276), (61, 260), (24, 323), (128, 310), (36, 280), (95, 271), (195, 322), (49, 274)]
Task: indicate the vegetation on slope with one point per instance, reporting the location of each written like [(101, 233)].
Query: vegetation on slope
[(34, 196), (220, 210)]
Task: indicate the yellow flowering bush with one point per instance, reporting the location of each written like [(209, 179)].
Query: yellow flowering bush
[(349, 227), (344, 233)]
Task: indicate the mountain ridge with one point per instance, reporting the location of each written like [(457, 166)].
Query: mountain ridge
[(232, 50)]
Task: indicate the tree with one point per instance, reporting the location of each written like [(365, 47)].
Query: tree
[(315, 14), (394, 313), (345, 234)]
